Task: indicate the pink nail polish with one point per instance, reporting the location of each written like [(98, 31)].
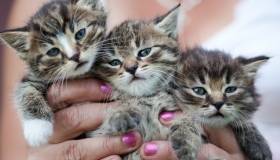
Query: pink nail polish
[(129, 139), (167, 116), (105, 88), (150, 149)]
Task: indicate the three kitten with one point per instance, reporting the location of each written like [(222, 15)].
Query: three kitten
[(59, 42), (219, 91), (63, 41)]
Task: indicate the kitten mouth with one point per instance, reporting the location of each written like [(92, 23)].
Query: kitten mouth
[(135, 78), (81, 64), (218, 114)]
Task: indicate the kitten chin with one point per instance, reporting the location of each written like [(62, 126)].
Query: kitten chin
[(142, 86), (215, 121)]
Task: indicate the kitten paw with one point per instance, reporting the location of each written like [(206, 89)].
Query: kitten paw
[(181, 149), (123, 122), (185, 142), (37, 131)]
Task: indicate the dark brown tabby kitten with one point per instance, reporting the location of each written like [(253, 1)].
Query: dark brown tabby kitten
[(140, 60), (59, 42), (219, 90)]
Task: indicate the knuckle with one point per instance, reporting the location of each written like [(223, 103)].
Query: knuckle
[(109, 146), (166, 151), (71, 118), (51, 95), (72, 151), (54, 96)]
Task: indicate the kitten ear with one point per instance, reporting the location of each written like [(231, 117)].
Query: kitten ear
[(92, 4), (252, 65), (17, 39), (168, 23)]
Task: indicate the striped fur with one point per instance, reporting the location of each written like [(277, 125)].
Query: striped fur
[(59, 42)]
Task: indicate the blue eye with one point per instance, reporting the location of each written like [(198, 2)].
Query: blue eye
[(199, 91), (115, 62), (80, 34), (53, 52), (231, 89), (144, 52)]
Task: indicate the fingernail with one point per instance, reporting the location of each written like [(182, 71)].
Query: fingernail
[(150, 149), (167, 116), (129, 139), (105, 88)]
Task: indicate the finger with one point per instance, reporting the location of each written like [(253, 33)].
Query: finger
[(210, 151), (157, 150), (225, 144), (167, 117), (168, 3), (223, 138), (114, 157), (89, 149), (73, 121), (78, 91)]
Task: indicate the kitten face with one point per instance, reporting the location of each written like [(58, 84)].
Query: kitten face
[(218, 89), (61, 40), (140, 57)]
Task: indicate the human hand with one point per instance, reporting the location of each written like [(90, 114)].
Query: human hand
[(98, 148), (223, 144), (76, 119)]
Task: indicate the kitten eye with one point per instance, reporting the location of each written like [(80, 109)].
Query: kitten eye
[(80, 34), (231, 89), (144, 52), (53, 52), (115, 62), (200, 91)]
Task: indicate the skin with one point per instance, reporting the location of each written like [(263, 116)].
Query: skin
[(78, 118)]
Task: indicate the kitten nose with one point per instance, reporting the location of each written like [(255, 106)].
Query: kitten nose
[(131, 69), (218, 105), (75, 57)]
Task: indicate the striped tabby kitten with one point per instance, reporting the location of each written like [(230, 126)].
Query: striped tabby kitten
[(219, 91), (140, 60), (59, 42)]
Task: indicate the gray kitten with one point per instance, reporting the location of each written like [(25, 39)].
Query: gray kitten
[(140, 59), (219, 90), (59, 42)]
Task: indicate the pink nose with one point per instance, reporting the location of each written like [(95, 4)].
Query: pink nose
[(75, 57), (131, 69)]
